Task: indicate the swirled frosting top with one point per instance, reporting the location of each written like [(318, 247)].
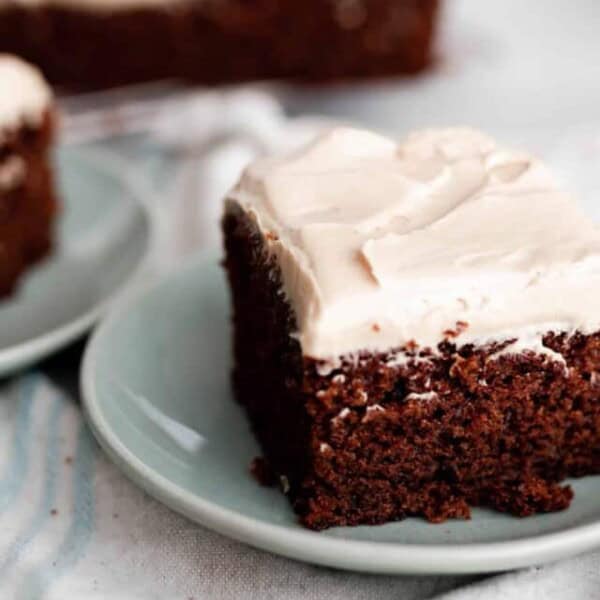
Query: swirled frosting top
[(24, 95), (447, 233)]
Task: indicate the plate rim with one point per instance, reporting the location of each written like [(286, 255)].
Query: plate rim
[(302, 544), (24, 354)]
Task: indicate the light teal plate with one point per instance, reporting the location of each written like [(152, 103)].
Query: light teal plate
[(156, 391), (103, 239)]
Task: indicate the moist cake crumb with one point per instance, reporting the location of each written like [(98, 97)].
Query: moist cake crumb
[(262, 472)]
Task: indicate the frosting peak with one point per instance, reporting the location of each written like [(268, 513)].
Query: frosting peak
[(24, 95), (383, 243)]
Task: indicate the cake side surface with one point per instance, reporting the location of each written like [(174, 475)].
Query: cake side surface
[(28, 204), (99, 43), (268, 364)]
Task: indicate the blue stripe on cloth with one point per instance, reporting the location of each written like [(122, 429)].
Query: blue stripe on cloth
[(48, 495), (16, 472), (38, 581)]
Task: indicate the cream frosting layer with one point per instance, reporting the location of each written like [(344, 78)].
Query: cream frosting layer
[(24, 95), (381, 244)]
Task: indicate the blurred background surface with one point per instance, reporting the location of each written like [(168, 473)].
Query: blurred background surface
[(500, 64)]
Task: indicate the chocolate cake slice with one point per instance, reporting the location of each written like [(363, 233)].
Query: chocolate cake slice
[(416, 327), (27, 201), (102, 43)]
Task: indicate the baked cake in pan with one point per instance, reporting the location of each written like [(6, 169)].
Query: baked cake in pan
[(416, 327), (100, 43), (27, 201)]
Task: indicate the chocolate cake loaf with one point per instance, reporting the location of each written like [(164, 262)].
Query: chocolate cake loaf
[(416, 327), (27, 201), (101, 43)]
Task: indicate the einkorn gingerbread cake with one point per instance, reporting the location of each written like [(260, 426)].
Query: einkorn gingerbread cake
[(416, 327), (27, 201), (101, 43)]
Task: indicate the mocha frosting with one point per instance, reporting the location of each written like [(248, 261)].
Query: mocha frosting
[(381, 244)]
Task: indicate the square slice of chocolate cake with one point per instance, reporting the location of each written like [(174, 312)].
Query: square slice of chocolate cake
[(27, 201), (416, 327)]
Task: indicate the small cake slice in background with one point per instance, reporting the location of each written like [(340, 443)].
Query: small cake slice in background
[(416, 327), (27, 201)]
